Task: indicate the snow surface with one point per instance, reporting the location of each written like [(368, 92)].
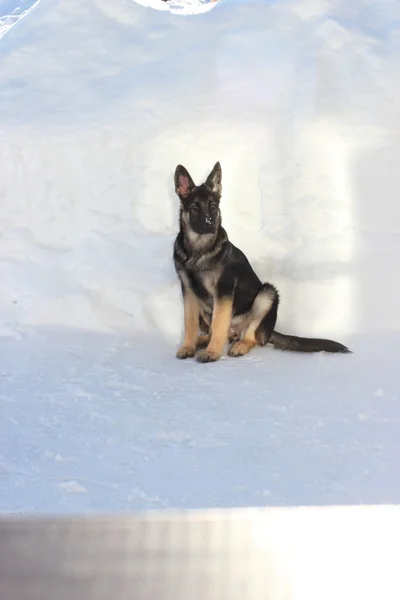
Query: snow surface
[(99, 100), (10, 14)]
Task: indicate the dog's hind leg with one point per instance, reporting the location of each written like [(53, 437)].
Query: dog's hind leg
[(263, 317), (267, 325)]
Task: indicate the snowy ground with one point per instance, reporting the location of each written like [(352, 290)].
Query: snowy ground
[(89, 423), (99, 101)]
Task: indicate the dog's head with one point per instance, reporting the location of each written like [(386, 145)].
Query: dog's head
[(200, 204)]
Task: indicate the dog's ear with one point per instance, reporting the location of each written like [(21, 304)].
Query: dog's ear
[(214, 179), (183, 182)]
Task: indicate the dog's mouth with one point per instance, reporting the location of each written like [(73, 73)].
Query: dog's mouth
[(209, 227)]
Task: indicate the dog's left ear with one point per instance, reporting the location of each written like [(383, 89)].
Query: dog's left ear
[(214, 179)]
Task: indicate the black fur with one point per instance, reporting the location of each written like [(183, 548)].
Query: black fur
[(223, 296)]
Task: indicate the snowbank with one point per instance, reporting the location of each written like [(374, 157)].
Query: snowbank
[(297, 99)]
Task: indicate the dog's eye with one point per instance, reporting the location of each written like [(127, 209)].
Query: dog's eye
[(213, 206), (194, 209)]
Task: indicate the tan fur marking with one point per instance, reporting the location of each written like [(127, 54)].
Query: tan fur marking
[(222, 315), (185, 352), (203, 340), (261, 305), (242, 347), (238, 325), (191, 317), (209, 280)]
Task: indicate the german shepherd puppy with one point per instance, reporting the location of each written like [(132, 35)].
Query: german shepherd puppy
[(222, 295)]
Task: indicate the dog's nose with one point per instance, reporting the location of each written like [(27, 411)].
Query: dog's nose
[(208, 223)]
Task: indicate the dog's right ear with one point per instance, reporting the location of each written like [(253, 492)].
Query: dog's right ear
[(183, 182)]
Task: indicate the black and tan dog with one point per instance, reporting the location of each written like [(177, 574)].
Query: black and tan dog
[(222, 295)]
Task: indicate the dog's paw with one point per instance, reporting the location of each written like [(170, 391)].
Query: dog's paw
[(185, 352), (207, 356), (241, 348), (203, 341)]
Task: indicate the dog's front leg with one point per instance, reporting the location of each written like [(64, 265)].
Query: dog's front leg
[(191, 317), (221, 319)]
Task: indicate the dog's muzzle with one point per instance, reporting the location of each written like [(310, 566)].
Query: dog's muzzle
[(208, 223)]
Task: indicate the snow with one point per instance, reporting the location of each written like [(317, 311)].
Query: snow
[(99, 102), (180, 7), (10, 14)]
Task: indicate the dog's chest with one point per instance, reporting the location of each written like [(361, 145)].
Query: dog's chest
[(203, 283)]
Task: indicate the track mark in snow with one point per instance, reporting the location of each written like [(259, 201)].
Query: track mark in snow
[(180, 7), (6, 399), (72, 487), (12, 420), (102, 484), (138, 494), (57, 457)]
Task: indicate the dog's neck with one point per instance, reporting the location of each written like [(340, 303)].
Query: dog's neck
[(196, 242)]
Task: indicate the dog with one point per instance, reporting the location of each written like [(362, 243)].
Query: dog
[(224, 300)]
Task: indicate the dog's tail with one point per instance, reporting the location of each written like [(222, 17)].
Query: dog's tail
[(301, 344)]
